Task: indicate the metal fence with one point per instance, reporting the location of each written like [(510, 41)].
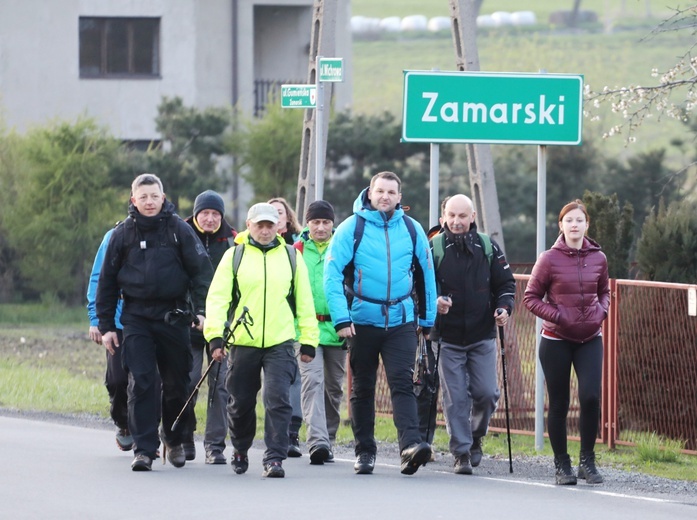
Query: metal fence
[(649, 372), (268, 91)]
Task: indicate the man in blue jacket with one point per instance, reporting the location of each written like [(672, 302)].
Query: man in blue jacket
[(383, 259)]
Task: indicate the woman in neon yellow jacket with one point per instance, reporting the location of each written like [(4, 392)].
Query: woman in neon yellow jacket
[(270, 281)]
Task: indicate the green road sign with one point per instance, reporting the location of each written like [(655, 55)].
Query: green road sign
[(486, 107), (331, 69), (298, 96)]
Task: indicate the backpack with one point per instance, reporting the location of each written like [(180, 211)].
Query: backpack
[(237, 260), (418, 290), (129, 227)]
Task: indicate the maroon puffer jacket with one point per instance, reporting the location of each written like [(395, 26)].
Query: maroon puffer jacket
[(577, 288)]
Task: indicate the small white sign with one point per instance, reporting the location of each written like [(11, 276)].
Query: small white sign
[(692, 301)]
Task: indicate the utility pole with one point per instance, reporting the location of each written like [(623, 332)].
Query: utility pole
[(322, 43), (480, 162)]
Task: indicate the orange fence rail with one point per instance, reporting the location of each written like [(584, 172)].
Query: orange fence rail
[(650, 367)]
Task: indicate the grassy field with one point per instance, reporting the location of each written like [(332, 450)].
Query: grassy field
[(617, 51)]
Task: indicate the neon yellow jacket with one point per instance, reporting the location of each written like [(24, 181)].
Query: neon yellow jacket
[(264, 282)]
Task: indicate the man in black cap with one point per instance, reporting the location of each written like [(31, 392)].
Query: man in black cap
[(323, 376), (217, 237)]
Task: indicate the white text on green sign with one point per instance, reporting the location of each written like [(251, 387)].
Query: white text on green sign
[(298, 96), (331, 69), (492, 108)]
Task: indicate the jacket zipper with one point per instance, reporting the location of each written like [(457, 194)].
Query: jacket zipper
[(389, 275)]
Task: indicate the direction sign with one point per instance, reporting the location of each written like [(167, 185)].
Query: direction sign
[(298, 96), (331, 69), (487, 107)]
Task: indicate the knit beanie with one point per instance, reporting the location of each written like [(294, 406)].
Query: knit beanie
[(319, 209), (209, 200)]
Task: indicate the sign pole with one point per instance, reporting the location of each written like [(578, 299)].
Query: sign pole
[(433, 209), (541, 232), (319, 148)]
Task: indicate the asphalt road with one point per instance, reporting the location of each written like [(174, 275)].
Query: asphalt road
[(54, 471)]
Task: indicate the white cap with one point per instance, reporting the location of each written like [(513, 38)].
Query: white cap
[(263, 212)]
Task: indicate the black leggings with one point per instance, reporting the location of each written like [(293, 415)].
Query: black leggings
[(556, 358)]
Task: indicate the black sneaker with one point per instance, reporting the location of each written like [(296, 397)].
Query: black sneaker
[(141, 462), (463, 465), (124, 440), (564, 475), (273, 469), (294, 446), (318, 455), (240, 462), (189, 450), (215, 457), (365, 463), (476, 451), (587, 469), (414, 456)]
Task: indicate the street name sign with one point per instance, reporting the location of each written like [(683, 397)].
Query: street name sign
[(331, 69), (298, 96), (496, 108)]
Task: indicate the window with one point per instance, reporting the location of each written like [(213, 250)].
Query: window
[(119, 47)]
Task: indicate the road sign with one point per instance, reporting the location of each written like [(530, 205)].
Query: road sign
[(487, 107), (331, 69), (298, 96)]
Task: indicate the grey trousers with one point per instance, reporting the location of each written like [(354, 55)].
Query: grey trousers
[(322, 391), (469, 382), (243, 382)]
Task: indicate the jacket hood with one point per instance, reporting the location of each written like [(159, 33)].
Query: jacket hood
[(589, 246), (362, 208)]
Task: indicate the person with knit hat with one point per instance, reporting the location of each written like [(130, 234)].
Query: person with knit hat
[(323, 376), (217, 236)]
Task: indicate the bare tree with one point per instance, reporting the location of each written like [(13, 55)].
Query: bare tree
[(635, 103)]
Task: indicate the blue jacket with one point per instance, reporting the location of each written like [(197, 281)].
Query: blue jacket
[(382, 270), (92, 287)]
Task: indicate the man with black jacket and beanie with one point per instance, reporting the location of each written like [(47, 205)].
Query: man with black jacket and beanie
[(157, 264), (216, 235), (476, 291)]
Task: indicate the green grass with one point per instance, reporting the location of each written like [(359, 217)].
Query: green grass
[(47, 312), (612, 9)]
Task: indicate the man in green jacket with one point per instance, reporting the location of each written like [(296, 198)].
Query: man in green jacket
[(323, 377), (276, 295)]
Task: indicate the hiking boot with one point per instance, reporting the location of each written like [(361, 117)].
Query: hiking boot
[(587, 469), (273, 469), (215, 457), (476, 452), (414, 456), (463, 464), (330, 456), (240, 462), (175, 454), (318, 455), (365, 463), (124, 440), (564, 475), (294, 446), (141, 462), (189, 450)]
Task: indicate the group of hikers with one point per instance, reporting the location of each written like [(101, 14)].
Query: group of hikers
[(278, 309)]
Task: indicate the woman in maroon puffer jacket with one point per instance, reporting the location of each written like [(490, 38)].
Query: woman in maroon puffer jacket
[(574, 277)]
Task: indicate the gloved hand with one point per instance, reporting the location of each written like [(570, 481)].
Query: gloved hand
[(308, 350)]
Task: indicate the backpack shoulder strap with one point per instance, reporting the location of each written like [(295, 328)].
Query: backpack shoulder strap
[(486, 244), (438, 243), (358, 234), (231, 242), (412, 231), (292, 258), (236, 261)]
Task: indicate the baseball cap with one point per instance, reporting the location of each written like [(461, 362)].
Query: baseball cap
[(263, 212)]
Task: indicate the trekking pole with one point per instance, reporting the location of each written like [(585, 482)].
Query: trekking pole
[(434, 393), (505, 393), (226, 339), (244, 319)]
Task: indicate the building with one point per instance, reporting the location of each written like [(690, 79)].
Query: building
[(114, 60)]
